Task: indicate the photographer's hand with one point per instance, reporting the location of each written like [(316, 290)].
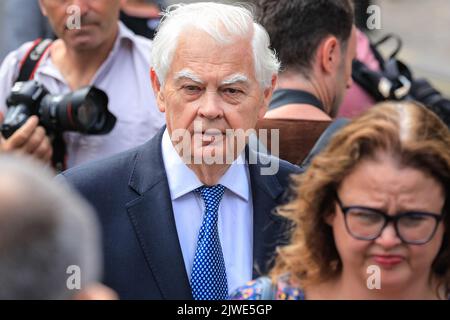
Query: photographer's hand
[(30, 139)]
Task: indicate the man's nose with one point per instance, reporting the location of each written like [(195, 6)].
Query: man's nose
[(388, 237), (82, 5), (210, 106)]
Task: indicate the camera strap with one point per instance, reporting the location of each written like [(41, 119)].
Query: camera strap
[(30, 62), (27, 68)]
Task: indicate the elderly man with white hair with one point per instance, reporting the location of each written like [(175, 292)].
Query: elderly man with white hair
[(189, 214)]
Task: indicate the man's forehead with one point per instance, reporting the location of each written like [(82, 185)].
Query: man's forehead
[(198, 57), (189, 74), (194, 41)]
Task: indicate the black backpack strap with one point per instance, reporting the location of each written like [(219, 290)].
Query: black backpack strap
[(282, 97), (390, 36), (368, 79), (30, 62), (392, 81), (429, 96)]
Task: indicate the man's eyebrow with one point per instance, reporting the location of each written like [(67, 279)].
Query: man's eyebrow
[(235, 78), (187, 74)]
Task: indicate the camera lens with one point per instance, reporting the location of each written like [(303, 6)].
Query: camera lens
[(87, 113), (84, 110)]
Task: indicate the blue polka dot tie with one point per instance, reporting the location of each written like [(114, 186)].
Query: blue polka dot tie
[(209, 278)]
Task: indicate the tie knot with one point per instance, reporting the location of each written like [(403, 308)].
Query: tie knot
[(211, 195)]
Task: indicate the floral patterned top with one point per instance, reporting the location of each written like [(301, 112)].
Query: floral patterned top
[(263, 289)]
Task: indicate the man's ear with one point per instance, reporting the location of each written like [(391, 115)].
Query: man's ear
[(156, 85), (330, 54), (41, 5), (267, 97)]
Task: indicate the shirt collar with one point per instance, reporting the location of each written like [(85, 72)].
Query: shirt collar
[(183, 180), (236, 178)]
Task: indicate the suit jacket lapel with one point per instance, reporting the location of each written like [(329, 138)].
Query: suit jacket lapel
[(152, 217), (267, 227)]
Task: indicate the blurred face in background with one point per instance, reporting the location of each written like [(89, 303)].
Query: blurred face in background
[(98, 21)]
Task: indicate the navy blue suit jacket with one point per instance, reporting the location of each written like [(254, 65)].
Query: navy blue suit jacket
[(142, 254)]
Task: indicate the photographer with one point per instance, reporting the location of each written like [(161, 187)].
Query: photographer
[(102, 52)]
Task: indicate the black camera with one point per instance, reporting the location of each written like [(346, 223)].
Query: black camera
[(84, 110)]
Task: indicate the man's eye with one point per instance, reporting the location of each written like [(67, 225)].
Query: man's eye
[(192, 89), (232, 91)]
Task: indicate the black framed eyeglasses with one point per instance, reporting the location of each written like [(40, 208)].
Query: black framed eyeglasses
[(412, 227)]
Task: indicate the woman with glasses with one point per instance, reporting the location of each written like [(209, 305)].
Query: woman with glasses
[(371, 216)]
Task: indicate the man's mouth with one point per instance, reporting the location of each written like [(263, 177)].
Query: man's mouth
[(211, 138), (208, 137)]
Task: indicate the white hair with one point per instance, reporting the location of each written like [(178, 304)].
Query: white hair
[(223, 22)]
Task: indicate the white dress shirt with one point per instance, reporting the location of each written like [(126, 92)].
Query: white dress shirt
[(235, 220), (124, 76)]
